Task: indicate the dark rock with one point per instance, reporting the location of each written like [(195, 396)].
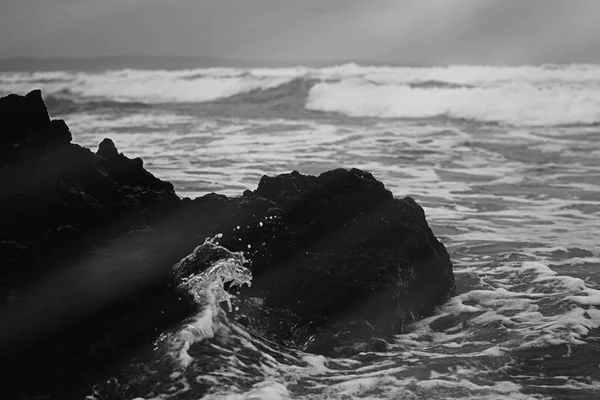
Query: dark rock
[(24, 112), (83, 244), (107, 149), (88, 242), (26, 122), (60, 133), (339, 248)]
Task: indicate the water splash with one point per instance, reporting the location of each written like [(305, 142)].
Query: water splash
[(210, 283), (208, 289)]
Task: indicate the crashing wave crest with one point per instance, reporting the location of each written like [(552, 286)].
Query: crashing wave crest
[(523, 96), (208, 289)]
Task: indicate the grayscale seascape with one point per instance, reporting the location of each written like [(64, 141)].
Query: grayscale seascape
[(485, 112), (505, 162)]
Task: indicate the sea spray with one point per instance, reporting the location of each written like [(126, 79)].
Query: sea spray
[(207, 274), (208, 288), (211, 282)]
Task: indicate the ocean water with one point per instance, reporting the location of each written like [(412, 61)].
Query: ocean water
[(505, 162)]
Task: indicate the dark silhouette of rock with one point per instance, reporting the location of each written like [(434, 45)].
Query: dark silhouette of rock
[(88, 242), (26, 122), (86, 253), (339, 249)]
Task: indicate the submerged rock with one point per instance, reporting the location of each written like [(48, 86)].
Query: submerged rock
[(89, 240)]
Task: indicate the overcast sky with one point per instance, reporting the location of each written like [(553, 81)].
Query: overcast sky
[(399, 31)]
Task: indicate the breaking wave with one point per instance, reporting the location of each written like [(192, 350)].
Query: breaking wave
[(520, 96), (512, 103), (147, 86)]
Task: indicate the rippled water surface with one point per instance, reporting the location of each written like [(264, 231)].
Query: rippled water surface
[(505, 162)]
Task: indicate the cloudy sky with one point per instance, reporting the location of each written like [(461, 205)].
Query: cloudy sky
[(395, 31)]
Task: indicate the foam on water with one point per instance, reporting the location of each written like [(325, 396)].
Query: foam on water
[(266, 390), (467, 74), (512, 103), (519, 306), (140, 120), (147, 86), (520, 96), (467, 350), (208, 289)]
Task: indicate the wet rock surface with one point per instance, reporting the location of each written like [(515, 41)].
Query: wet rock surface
[(339, 250), (88, 242)]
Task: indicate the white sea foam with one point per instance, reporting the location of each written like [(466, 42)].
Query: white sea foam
[(512, 103), (522, 307), (85, 123), (550, 95), (207, 289), (266, 390), (542, 96), (148, 86), (153, 87), (465, 74), (513, 306), (200, 328)]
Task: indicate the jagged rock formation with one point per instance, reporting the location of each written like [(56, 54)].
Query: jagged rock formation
[(86, 252), (88, 241)]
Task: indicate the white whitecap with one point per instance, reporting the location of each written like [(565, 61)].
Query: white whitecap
[(515, 103)]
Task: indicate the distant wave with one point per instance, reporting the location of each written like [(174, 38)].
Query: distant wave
[(546, 96), (64, 103), (512, 103), (432, 84), (145, 86)]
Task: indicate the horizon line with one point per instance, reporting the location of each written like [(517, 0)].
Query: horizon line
[(218, 61)]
